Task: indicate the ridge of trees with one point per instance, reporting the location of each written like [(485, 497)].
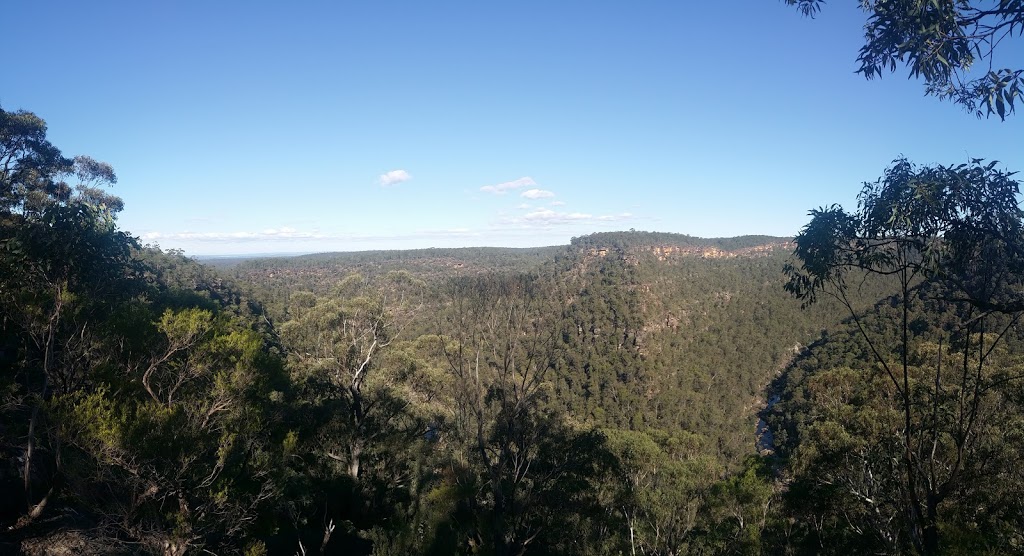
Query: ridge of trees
[(635, 239)]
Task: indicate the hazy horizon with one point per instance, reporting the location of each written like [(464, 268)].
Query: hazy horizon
[(273, 254)]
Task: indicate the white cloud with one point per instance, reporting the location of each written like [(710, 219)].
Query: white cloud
[(557, 203), (502, 188), (536, 194), (548, 217), (524, 206), (394, 177)]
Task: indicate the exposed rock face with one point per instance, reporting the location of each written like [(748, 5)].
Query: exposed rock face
[(668, 252), (664, 252)]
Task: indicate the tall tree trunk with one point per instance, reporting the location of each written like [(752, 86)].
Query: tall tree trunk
[(931, 527), (355, 452), (36, 509), (30, 443), (29, 451), (501, 547), (632, 539), (355, 448)]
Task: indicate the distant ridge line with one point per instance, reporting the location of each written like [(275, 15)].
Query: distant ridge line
[(625, 240)]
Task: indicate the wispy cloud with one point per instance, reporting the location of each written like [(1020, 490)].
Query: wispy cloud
[(502, 188), (557, 203), (394, 177), (524, 206), (536, 194), (548, 217)]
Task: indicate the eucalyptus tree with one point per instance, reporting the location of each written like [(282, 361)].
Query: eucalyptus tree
[(951, 44), (336, 344), (140, 404), (951, 240), (529, 472), (65, 268), (29, 164)]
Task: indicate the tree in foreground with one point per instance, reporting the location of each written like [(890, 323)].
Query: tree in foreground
[(65, 266), (137, 410), (526, 472), (952, 44), (951, 241), (336, 345)]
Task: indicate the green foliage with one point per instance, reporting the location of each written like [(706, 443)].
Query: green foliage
[(275, 279), (944, 42), (673, 344), (602, 376), (30, 165), (842, 415), (599, 398), (135, 400), (897, 451)]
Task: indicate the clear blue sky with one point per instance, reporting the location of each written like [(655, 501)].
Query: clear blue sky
[(247, 127)]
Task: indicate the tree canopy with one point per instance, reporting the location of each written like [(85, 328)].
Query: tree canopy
[(922, 417), (951, 44)]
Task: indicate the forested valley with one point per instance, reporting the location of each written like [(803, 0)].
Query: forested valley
[(856, 388)]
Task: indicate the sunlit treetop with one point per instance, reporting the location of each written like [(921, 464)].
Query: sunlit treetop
[(34, 173)]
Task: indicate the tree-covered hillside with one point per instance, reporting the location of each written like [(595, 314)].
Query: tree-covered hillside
[(601, 397), (274, 278), (657, 331), (661, 345)]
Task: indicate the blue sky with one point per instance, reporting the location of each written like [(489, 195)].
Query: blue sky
[(249, 127)]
